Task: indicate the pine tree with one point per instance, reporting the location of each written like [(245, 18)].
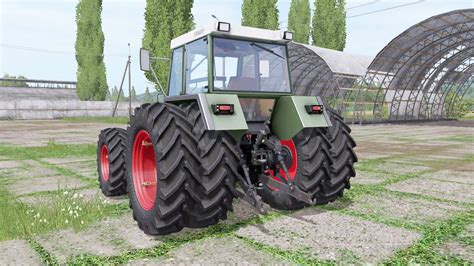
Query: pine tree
[(108, 96), (329, 24), (133, 94), (114, 94), (260, 14), (147, 98), (299, 20), (91, 79), (165, 20)]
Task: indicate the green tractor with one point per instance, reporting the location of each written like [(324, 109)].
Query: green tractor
[(230, 126)]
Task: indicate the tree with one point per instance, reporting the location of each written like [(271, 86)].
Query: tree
[(260, 14), (133, 94), (165, 20), (147, 98), (114, 94), (329, 24), (16, 83), (91, 80), (299, 20)]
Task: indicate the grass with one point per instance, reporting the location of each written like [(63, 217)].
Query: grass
[(49, 216), (299, 256), (93, 119), (425, 250), (66, 209), (51, 150)]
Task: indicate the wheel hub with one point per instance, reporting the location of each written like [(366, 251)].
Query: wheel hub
[(144, 170), (104, 163)]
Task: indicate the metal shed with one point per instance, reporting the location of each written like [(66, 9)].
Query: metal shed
[(422, 74)]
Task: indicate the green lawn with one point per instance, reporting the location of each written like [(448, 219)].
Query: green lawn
[(92, 119)]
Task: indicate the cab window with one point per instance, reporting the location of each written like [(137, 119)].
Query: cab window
[(176, 74), (196, 67)]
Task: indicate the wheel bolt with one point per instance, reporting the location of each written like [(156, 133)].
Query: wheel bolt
[(148, 184), (146, 143)]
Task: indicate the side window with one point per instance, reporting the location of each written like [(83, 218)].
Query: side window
[(225, 68), (196, 67), (176, 76)]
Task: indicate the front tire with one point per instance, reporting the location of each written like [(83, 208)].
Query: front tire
[(111, 161), (158, 163)]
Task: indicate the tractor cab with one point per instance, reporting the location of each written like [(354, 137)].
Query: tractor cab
[(222, 58)]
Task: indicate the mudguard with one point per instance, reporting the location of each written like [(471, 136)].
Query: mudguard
[(290, 116), (234, 123)]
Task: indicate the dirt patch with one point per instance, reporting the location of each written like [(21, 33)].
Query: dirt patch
[(17, 252), (215, 251), (26, 186), (69, 160), (458, 249), (322, 234), (435, 188), (9, 164), (28, 169), (468, 167), (399, 168), (67, 243), (242, 211), (452, 176), (404, 209), (370, 178), (87, 194)]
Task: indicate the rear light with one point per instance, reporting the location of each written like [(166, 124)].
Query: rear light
[(223, 109), (314, 109)]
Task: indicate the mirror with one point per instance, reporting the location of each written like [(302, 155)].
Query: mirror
[(144, 60)]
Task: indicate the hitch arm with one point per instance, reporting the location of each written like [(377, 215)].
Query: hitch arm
[(290, 190), (250, 191)]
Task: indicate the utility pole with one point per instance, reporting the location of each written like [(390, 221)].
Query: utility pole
[(127, 68), (129, 83)]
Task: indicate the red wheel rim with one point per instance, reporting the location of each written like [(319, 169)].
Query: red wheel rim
[(290, 145), (144, 170), (104, 163)]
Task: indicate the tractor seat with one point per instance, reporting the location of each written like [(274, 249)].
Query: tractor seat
[(242, 84)]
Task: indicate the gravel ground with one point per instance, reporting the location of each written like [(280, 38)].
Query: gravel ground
[(430, 181)]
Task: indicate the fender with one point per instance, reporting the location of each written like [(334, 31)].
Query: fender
[(234, 123), (290, 116)]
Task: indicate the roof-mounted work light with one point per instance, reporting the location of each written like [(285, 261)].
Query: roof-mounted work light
[(223, 26), (288, 35)]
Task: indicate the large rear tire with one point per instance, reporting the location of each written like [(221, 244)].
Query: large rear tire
[(309, 170), (342, 154), (212, 188), (111, 161), (159, 161)]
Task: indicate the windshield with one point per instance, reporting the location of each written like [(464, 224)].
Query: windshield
[(250, 66)]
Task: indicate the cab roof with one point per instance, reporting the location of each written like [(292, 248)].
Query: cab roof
[(235, 30)]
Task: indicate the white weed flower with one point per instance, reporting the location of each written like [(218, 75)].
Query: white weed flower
[(75, 195), (82, 222), (67, 221), (65, 192)]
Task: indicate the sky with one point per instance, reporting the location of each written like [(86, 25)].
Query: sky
[(37, 36)]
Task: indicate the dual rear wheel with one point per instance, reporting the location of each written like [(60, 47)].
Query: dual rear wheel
[(181, 175)]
